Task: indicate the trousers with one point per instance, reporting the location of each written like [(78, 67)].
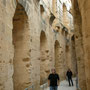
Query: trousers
[(54, 88), (70, 81)]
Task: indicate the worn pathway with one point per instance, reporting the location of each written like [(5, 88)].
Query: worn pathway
[(64, 86)]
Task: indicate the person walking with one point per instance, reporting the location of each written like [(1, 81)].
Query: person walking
[(69, 77), (53, 80)]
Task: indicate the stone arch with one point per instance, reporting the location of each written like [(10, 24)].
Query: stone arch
[(54, 6), (24, 3), (44, 58), (21, 42), (65, 16), (73, 55), (67, 52), (58, 60), (64, 8), (64, 12), (42, 10), (73, 38)]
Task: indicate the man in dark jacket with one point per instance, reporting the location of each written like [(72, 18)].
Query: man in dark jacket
[(53, 80), (69, 76)]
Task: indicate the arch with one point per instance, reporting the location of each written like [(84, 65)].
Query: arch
[(42, 10), (44, 58), (65, 16), (21, 47), (64, 8), (54, 6), (25, 5), (43, 37), (73, 38), (67, 51), (73, 55), (58, 60)]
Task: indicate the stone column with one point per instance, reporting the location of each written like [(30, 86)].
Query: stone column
[(79, 46), (85, 11)]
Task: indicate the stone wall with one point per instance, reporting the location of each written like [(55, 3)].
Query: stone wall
[(27, 55), (81, 12)]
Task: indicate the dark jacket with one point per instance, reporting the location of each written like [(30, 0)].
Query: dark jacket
[(69, 74), (54, 78)]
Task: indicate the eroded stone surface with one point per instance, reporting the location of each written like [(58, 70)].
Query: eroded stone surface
[(82, 21), (26, 56)]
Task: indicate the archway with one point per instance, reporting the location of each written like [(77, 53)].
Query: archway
[(44, 58), (73, 56), (68, 59), (65, 16), (21, 42), (58, 60), (64, 13), (54, 6)]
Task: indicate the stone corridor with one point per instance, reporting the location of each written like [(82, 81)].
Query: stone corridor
[(64, 85), (38, 35)]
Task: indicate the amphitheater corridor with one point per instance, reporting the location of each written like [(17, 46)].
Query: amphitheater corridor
[(64, 86), (37, 36)]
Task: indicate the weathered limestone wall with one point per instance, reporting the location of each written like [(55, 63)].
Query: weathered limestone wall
[(6, 48), (70, 54), (65, 16), (73, 56), (22, 63), (22, 49), (21, 42), (58, 59), (82, 21), (85, 13), (54, 35), (44, 58)]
